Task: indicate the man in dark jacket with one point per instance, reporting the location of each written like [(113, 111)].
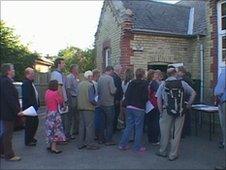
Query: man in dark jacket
[(10, 108), (30, 98), (119, 93)]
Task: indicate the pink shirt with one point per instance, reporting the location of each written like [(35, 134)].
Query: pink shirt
[(52, 100)]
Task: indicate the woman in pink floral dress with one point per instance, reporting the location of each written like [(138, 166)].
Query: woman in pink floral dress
[(53, 124)]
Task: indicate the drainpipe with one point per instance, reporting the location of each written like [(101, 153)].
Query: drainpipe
[(201, 53)]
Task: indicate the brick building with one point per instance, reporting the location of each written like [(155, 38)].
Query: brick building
[(151, 34)]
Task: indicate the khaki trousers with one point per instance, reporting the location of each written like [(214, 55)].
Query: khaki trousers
[(171, 129), (86, 128)]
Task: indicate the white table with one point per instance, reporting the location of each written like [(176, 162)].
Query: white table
[(207, 109)]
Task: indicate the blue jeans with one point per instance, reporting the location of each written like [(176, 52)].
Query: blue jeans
[(99, 123), (109, 114), (1, 128), (134, 118)]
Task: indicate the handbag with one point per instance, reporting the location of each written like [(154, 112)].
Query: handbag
[(62, 109)]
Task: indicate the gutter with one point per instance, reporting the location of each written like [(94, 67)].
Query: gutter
[(165, 33)]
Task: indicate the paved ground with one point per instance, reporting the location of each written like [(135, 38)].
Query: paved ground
[(196, 152)]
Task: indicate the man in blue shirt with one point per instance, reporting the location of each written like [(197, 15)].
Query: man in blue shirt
[(220, 93)]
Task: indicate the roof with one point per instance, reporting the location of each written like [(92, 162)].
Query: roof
[(187, 18), (158, 16), (199, 14)]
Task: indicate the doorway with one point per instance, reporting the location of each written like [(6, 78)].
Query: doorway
[(162, 67)]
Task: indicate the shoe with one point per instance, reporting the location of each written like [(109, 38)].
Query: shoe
[(2, 156), (62, 143), (124, 148), (110, 143), (15, 158), (81, 147), (131, 140), (221, 145), (55, 151), (101, 142), (34, 140), (72, 137), (31, 144), (220, 168), (155, 143), (142, 149), (173, 158), (92, 147), (161, 154), (48, 148)]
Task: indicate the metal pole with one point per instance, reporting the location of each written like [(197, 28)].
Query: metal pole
[(201, 73)]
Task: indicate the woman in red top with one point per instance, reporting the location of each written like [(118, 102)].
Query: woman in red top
[(53, 124)]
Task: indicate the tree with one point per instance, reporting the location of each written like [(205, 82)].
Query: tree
[(13, 51), (73, 55)]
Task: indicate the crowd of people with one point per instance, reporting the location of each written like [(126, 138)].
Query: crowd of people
[(98, 105)]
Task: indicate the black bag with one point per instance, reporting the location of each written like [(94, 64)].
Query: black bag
[(175, 103)]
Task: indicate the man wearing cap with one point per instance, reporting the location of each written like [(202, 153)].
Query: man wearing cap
[(167, 122), (86, 107)]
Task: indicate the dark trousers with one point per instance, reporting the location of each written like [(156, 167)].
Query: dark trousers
[(187, 124), (99, 122), (109, 114), (6, 140), (153, 129), (117, 110), (31, 126)]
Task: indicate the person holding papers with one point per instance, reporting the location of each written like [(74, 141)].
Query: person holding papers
[(30, 98)]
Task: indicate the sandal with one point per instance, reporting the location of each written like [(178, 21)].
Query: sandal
[(55, 151)]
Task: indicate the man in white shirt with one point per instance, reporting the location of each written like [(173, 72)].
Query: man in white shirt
[(58, 75)]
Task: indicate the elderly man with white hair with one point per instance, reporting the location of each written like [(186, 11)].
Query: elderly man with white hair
[(86, 107)]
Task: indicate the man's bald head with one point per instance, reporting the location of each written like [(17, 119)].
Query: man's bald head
[(29, 73)]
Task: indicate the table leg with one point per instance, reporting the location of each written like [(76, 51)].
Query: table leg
[(210, 127), (213, 123), (196, 123)]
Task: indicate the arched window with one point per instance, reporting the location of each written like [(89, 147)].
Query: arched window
[(221, 10), (107, 57)]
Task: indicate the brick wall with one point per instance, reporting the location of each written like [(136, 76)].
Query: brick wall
[(109, 31), (160, 49), (210, 51)]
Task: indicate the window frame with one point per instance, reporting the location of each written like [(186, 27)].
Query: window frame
[(221, 34), (107, 55)]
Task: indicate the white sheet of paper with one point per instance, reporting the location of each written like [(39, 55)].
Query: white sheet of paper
[(96, 99), (149, 107), (30, 111)]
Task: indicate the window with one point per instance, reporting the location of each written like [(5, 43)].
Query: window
[(223, 16), (107, 57), (224, 48), (221, 13)]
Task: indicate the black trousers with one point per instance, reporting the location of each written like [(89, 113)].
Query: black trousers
[(153, 129), (31, 126), (187, 124), (117, 110)]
